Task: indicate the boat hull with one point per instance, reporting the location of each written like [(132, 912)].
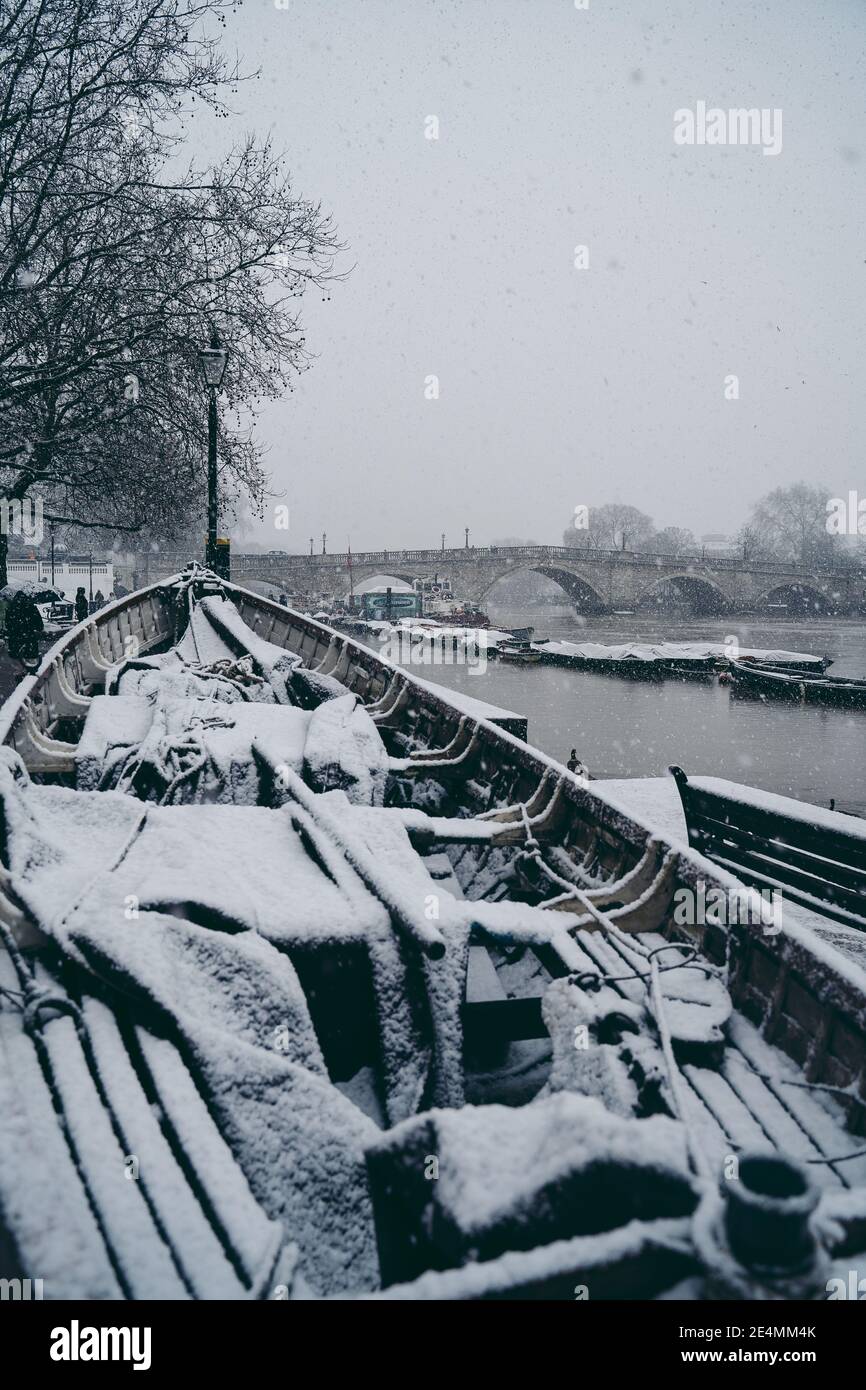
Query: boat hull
[(763, 683)]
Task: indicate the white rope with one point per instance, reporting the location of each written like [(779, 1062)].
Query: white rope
[(697, 1157)]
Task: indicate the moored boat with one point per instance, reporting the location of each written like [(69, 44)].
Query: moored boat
[(519, 653), (771, 682), (370, 998), (668, 660)]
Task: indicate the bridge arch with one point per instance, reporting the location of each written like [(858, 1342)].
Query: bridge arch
[(702, 592), (363, 576), (288, 581), (579, 591), (267, 579), (798, 596)]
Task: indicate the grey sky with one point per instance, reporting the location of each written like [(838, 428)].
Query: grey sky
[(561, 386)]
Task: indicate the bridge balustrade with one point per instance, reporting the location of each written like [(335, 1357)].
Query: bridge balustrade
[(171, 562)]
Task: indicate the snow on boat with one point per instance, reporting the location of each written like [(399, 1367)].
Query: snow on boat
[(316, 984), (646, 661), (770, 682), (520, 653), (423, 641)]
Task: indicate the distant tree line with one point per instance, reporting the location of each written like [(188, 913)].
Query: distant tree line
[(789, 523), (617, 526)]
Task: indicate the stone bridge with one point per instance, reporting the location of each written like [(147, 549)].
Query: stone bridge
[(596, 581)]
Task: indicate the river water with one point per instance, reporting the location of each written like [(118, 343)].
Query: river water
[(626, 728)]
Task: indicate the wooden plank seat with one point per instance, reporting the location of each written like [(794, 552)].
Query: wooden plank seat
[(41, 1187), (741, 1092), (752, 1096), (126, 1148), (820, 866)]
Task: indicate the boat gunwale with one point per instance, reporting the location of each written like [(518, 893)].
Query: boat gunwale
[(13, 706)]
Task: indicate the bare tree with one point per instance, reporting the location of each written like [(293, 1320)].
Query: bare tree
[(72, 74), (755, 546), (615, 526), (672, 540), (115, 276), (790, 523)]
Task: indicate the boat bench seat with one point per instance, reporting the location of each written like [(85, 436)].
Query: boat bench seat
[(156, 1202), (763, 841)]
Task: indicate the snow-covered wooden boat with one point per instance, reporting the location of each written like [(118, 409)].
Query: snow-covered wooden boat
[(770, 682), (518, 653), (668, 660), (316, 985)]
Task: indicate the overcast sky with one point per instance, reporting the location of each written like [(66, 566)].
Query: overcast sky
[(561, 386)]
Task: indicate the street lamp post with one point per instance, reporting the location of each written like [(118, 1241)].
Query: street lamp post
[(213, 361), (324, 539), (443, 540), (51, 533), (466, 529), (311, 544)]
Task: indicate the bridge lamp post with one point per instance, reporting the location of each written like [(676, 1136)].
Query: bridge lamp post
[(213, 361), (311, 544), (443, 540), (466, 529)]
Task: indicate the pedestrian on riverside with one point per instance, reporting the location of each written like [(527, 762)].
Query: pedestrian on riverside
[(98, 598), (82, 607), (24, 627)]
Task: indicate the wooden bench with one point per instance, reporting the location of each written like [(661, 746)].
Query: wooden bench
[(822, 867)]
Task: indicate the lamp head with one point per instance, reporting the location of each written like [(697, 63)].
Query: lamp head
[(213, 361)]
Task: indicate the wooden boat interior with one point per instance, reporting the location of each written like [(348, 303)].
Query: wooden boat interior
[(499, 943)]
